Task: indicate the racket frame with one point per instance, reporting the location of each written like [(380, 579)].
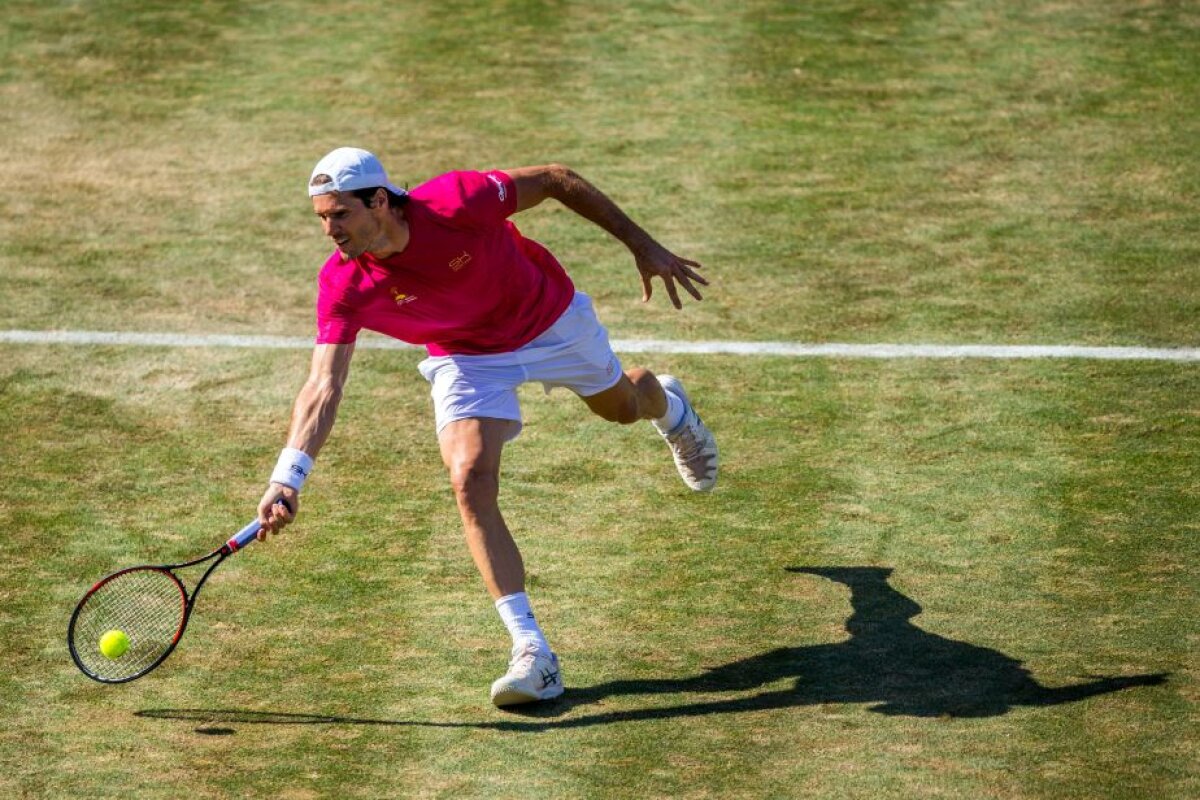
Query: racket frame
[(244, 537)]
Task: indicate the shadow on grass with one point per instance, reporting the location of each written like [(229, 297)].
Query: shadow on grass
[(887, 662)]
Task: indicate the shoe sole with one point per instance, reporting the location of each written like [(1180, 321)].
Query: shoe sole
[(514, 697)]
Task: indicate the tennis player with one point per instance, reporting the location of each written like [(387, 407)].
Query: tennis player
[(444, 267)]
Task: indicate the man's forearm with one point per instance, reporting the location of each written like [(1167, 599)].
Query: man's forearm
[(569, 188), (313, 416), (535, 184)]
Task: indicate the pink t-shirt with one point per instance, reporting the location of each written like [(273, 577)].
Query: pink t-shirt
[(467, 283)]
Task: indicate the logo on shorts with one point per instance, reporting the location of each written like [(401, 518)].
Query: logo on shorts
[(458, 262), (400, 297)]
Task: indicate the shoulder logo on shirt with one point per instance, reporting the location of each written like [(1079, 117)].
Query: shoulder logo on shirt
[(400, 297), (499, 187), (458, 262)]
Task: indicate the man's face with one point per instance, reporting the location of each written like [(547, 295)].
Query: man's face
[(352, 226)]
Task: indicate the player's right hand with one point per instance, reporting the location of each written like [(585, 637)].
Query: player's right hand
[(277, 509)]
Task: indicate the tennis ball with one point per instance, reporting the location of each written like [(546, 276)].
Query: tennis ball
[(113, 644)]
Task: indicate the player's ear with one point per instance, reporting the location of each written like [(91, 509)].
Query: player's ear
[(380, 198)]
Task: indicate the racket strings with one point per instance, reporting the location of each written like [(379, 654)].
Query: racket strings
[(147, 604)]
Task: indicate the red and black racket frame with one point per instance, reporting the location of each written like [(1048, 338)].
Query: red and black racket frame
[(244, 537)]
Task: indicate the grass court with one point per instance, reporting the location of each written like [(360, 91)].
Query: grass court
[(917, 578)]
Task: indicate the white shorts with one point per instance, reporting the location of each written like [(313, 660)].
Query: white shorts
[(573, 353)]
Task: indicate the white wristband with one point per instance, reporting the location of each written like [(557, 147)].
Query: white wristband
[(293, 467)]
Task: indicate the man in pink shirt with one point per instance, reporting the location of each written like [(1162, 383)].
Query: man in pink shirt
[(443, 267)]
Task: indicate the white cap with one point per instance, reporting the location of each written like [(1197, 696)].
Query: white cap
[(350, 168)]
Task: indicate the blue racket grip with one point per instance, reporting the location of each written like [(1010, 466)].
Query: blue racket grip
[(249, 533), (245, 536)]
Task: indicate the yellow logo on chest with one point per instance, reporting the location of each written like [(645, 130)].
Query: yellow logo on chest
[(458, 262), (400, 297)]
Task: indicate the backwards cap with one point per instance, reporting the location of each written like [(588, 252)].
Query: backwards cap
[(351, 169)]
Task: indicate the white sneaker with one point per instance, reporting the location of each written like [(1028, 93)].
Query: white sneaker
[(532, 675), (692, 443)]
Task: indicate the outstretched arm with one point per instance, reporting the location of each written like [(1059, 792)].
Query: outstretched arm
[(313, 416), (535, 184)]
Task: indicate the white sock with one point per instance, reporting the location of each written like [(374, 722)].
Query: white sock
[(522, 626), (675, 411)]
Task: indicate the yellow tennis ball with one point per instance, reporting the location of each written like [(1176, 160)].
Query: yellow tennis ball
[(113, 644)]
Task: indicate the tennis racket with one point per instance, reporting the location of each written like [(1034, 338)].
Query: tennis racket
[(150, 605)]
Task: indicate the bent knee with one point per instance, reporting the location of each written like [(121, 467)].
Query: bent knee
[(473, 481)]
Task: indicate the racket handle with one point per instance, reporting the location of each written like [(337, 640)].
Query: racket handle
[(249, 533), (245, 536)]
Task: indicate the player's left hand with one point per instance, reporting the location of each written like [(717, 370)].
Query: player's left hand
[(654, 260)]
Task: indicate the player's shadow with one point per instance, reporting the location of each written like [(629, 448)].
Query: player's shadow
[(887, 662)]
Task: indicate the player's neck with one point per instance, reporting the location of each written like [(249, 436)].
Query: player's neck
[(393, 238)]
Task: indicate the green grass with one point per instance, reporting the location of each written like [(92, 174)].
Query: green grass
[(1040, 513), (848, 171), (902, 171)]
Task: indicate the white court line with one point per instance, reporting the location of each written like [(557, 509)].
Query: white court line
[(792, 349)]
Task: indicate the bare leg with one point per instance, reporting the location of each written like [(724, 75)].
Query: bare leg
[(471, 451), (638, 395)]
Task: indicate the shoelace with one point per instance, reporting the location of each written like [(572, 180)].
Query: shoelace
[(689, 445), (528, 654)]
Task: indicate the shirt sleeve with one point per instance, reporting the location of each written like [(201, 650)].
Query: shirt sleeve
[(470, 199), (336, 323)]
